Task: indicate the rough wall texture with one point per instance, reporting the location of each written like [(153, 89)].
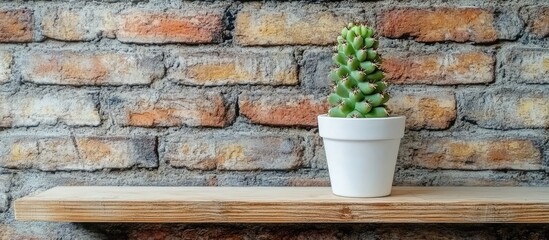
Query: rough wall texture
[(163, 92)]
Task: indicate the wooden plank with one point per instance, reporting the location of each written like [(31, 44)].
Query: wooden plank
[(285, 205)]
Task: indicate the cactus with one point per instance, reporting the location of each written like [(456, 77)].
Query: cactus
[(358, 86)]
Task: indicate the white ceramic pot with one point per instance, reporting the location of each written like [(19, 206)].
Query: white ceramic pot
[(361, 153)]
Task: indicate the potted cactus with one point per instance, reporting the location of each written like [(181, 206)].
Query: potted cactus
[(360, 138)]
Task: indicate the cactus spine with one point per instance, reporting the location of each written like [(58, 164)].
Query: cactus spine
[(359, 89)]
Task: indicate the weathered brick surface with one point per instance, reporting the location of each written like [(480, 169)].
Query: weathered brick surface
[(74, 108), (434, 231), (158, 233), (316, 65), (282, 109), (69, 24), (148, 26), (6, 60), (286, 24), (17, 25), (228, 67), (5, 182), (538, 22), (425, 109), (478, 154), (235, 152), (77, 153), (527, 65), (507, 108), (68, 67), (155, 109), (468, 67), (445, 24)]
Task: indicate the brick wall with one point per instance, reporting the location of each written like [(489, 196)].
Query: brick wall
[(223, 93)]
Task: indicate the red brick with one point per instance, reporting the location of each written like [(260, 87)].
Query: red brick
[(67, 67), (439, 69), (282, 109), (16, 25), (147, 26), (478, 154), (424, 110), (73, 108), (236, 152), (228, 67), (153, 109), (76, 153), (311, 25), (6, 60), (539, 22), (440, 24)]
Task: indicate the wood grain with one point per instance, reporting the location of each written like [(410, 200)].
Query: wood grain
[(285, 205)]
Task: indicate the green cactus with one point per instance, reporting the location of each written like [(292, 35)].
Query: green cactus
[(359, 89)]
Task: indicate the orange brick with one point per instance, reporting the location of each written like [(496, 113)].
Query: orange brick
[(424, 110), (77, 153), (440, 24), (6, 60), (236, 152), (439, 69), (67, 67), (152, 109), (312, 25), (475, 154), (282, 109), (539, 22), (228, 67), (16, 25), (145, 26)]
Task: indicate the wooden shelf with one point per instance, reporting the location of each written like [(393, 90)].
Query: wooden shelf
[(285, 205)]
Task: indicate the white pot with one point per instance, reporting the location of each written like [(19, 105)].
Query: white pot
[(361, 153)]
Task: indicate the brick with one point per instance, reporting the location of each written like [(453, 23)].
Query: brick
[(16, 25), (439, 69), (293, 233), (235, 152), (527, 65), (148, 26), (229, 67), (425, 109), (282, 109), (73, 108), (69, 24), (77, 153), (202, 233), (434, 231), (507, 108), (154, 109), (316, 65), (6, 60), (5, 182), (288, 24), (443, 24), (67, 67), (308, 182), (478, 154), (539, 22)]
